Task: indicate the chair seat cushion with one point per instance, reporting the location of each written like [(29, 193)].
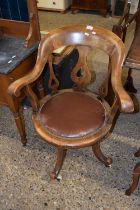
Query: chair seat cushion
[(13, 52), (72, 115), (133, 57)]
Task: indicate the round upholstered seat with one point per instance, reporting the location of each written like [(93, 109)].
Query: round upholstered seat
[(72, 115)]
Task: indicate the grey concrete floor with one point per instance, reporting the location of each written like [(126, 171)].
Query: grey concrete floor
[(86, 184)]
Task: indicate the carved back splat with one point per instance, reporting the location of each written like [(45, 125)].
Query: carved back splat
[(85, 73)]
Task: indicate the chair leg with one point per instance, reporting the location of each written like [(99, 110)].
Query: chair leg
[(19, 119), (129, 85), (61, 153), (17, 111), (100, 156), (136, 176)]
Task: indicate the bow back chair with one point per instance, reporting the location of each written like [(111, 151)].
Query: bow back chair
[(19, 38), (132, 60), (77, 117)]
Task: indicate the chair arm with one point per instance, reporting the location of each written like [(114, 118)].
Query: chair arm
[(16, 87), (125, 102)]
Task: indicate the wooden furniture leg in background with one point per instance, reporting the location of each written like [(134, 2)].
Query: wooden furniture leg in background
[(136, 176), (16, 109)]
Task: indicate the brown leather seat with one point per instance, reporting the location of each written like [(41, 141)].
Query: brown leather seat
[(76, 118), (71, 115)]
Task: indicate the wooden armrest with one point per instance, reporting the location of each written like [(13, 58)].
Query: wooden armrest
[(125, 101), (18, 85), (126, 104)]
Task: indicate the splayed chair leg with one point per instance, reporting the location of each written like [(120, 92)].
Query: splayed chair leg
[(136, 176), (61, 153), (100, 156)]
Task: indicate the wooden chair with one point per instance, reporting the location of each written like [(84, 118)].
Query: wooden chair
[(136, 176), (19, 38), (132, 60), (77, 118)]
